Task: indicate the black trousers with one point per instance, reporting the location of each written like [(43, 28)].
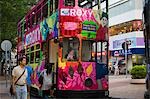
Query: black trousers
[(46, 93)]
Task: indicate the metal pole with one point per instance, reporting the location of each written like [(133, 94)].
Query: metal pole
[(101, 60), (5, 63), (10, 67), (126, 58)]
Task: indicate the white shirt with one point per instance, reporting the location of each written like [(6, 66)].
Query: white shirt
[(17, 71), (47, 80)]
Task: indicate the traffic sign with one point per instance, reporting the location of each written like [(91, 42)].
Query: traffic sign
[(6, 45)]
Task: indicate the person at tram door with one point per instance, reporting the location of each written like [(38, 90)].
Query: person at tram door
[(30, 72), (102, 76), (71, 55), (45, 80)]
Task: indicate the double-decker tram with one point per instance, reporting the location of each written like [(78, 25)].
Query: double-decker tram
[(72, 36)]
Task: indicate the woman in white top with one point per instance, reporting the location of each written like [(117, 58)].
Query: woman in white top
[(47, 81)]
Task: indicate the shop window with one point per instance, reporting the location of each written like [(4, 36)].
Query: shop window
[(69, 3), (70, 49), (87, 50), (32, 58)]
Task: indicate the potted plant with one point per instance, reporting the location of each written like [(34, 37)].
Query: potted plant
[(138, 73)]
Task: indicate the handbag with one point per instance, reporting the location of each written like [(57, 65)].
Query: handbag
[(11, 87)]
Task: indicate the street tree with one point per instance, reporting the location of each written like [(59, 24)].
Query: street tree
[(11, 11)]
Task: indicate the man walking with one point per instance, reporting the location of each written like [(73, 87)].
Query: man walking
[(19, 74)]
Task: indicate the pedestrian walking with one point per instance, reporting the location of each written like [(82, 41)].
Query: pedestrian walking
[(116, 68), (19, 75), (28, 80)]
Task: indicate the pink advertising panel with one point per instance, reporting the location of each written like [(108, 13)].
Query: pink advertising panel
[(33, 36)]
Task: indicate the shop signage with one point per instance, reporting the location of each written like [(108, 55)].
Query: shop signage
[(118, 43), (122, 52)]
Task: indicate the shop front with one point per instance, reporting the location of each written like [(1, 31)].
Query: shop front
[(135, 50)]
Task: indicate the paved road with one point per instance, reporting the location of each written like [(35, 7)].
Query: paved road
[(120, 87)]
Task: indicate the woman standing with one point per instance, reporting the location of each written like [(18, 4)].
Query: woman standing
[(47, 81)]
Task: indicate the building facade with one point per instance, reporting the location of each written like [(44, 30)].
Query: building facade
[(126, 24)]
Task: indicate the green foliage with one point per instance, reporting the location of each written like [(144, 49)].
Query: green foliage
[(10, 12), (138, 72)]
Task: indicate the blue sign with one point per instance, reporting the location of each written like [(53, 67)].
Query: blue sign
[(129, 52)]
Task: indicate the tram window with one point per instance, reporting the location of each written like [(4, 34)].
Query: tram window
[(43, 46), (25, 27), (101, 52), (70, 3), (21, 30), (37, 56), (45, 11), (84, 4), (38, 13), (28, 58), (28, 50), (38, 46), (56, 4), (51, 7), (87, 50), (70, 49), (32, 58), (28, 23), (32, 48)]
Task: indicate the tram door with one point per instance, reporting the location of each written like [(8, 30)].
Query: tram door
[(53, 57)]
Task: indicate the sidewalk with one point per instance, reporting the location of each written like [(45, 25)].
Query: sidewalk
[(4, 91), (120, 87)]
